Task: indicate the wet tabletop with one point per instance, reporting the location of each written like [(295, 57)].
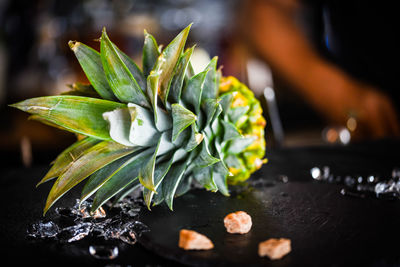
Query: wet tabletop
[(326, 227)]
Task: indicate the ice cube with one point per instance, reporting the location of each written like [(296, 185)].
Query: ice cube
[(41, 229)]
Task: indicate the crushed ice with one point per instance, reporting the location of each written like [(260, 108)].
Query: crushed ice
[(362, 187), (73, 224)]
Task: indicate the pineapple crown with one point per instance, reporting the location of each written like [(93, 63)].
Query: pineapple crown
[(158, 127)]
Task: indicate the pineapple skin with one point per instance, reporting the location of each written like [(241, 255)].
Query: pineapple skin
[(252, 125)]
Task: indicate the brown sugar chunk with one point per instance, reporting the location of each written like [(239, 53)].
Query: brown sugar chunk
[(189, 240), (238, 222), (274, 248)]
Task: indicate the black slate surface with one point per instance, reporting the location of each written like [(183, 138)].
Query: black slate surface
[(326, 228)]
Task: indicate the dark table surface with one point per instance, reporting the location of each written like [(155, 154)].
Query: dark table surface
[(326, 228)]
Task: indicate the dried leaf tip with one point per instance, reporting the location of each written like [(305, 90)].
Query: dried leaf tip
[(74, 45)]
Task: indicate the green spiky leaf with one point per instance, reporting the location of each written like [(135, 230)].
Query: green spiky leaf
[(204, 176), (167, 61), (90, 61), (210, 90), (79, 114), (123, 177), (150, 53), (120, 79), (182, 118), (69, 155), (192, 93), (92, 160), (171, 182), (101, 176), (179, 76), (146, 174)]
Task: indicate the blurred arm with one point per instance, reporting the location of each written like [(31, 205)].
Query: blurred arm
[(272, 32)]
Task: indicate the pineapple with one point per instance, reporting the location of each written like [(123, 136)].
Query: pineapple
[(245, 113), (159, 127)]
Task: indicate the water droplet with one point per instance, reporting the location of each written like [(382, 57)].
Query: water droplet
[(349, 181), (316, 173), (371, 179), (326, 172), (331, 179), (104, 252)]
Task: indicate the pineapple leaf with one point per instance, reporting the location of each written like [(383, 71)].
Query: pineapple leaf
[(92, 160), (142, 128), (181, 119), (76, 113), (210, 107), (232, 161), (220, 174), (69, 155), (205, 177), (133, 68), (167, 61), (158, 197), (190, 71), (101, 176), (230, 131), (121, 80), (226, 101), (171, 182), (152, 87), (146, 173), (160, 171), (210, 84), (164, 123), (177, 80), (119, 121), (121, 178), (194, 140), (81, 89), (192, 92), (126, 191), (184, 186), (239, 144), (150, 53), (166, 144), (237, 115), (204, 158), (46, 122), (90, 61)]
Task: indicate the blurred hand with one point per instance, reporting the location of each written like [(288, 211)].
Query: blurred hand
[(373, 111)]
